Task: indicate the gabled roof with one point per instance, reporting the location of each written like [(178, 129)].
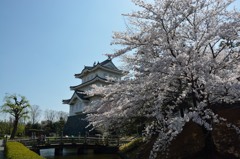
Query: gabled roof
[(96, 78), (106, 62), (77, 94), (105, 65)]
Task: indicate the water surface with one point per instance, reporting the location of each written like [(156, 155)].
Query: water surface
[(72, 154)]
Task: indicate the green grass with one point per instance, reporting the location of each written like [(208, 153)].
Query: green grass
[(16, 150), (131, 145)]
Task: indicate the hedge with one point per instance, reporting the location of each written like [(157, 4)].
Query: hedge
[(16, 150)]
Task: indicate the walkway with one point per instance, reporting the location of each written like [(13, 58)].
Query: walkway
[(1, 150)]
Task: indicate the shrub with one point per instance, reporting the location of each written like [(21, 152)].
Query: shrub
[(131, 145), (16, 150)]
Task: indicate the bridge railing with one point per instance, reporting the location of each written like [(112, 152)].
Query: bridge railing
[(108, 141)]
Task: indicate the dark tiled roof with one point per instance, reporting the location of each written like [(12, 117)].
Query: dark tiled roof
[(82, 95), (66, 101), (89, 68), (86, 83), (105, 62)]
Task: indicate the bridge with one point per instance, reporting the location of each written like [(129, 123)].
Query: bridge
[(98, 144)]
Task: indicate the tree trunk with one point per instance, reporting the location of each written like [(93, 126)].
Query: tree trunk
[(210, 149), (15, 125)]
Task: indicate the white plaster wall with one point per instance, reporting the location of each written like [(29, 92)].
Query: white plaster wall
[(90, 76), (77, 107), (89, 87), (100, 73)]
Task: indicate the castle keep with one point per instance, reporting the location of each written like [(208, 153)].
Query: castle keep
[(90, 75)]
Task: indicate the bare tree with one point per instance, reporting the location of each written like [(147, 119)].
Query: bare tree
[(62, 115), (50, 115), (35, 113)]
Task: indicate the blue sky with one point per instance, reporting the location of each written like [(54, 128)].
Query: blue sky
[(43, 43)]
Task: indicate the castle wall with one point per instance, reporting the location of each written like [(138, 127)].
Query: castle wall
[(100, 73), (78, 106)]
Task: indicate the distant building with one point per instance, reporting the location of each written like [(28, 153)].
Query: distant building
[(90, 75)]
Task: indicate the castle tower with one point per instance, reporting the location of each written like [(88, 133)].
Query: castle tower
[(90, 75)]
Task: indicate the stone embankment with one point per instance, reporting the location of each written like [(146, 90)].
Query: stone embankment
[(1, 149)]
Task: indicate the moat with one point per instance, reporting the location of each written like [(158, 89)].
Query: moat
[(72, 154)]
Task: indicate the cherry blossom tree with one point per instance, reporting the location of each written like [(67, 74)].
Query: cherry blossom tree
[(185, 58)]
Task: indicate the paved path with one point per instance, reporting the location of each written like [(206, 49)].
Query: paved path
[(1, 150)]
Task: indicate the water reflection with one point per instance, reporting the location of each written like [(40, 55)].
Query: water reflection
[(72, 154)]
